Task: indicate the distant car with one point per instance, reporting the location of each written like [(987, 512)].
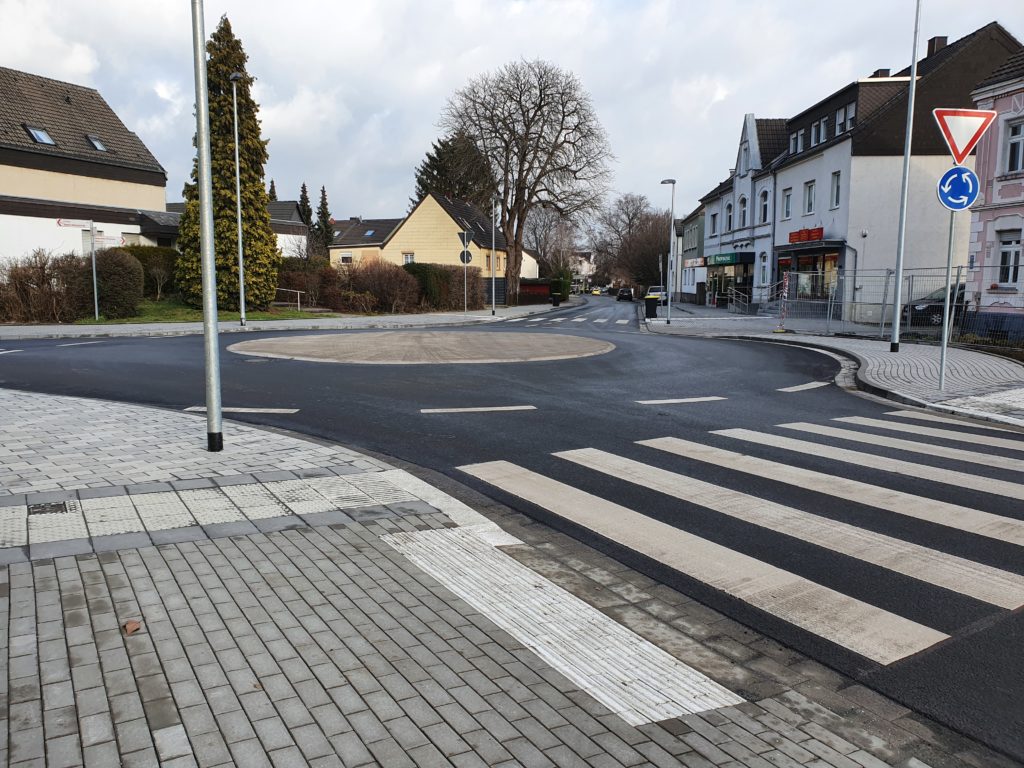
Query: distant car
[(927, 310), (595, 292), (657, 292), (624, 294)]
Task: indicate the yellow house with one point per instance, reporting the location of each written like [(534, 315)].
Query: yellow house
[(429, 234)]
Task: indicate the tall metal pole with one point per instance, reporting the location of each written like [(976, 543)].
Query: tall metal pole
[(494, 255), (671, 250), (234, 78), (894, 342), (95, 285), (945, 308), (214, 434)]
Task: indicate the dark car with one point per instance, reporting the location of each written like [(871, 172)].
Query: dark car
[(927, 310), (624, 294)]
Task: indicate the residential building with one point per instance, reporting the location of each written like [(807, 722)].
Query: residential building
[(838, 183), (995, 281), (66, 157), (690, 242), (738, 215), (285, 220)]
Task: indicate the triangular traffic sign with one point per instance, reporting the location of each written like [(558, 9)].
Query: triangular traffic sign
[(962, 129)]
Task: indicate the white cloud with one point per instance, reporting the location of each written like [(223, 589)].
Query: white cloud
[(351, 92)]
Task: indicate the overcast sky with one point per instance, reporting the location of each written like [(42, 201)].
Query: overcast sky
[(350, 92)]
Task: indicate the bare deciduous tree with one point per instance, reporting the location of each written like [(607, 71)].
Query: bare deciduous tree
[(626, 241), (537, 127), (552, 237)]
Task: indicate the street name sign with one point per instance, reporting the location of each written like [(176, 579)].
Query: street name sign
[(77, 223), (962, 129)]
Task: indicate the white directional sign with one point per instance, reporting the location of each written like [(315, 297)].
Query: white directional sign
[(76, 223), (962, 129)]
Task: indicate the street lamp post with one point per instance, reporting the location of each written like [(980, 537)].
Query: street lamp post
[(234, 78), (494, 255), (671, 248)]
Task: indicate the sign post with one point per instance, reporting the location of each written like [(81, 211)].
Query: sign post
[(91, 225), (465, 257), (957, 190)]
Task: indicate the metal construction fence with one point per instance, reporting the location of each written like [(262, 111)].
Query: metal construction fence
[(986, 304)]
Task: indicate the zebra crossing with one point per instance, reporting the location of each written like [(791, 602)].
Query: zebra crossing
[(921, 542), (553, 322)]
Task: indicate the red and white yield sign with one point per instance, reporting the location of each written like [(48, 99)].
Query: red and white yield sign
[(963, 128)]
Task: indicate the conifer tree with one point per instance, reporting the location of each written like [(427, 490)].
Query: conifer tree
[(324, 227), (454, 167), (262, 257), (272, 192), (305, 209)]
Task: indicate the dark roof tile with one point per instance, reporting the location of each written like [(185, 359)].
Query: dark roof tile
[(472, 219), (355, 232), (1011, 69), (772, 138)]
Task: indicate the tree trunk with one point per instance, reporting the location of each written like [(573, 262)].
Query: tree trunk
[(513, 267)]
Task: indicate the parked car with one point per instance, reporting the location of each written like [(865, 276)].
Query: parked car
[(927, 310), (595, 292), (657, 292), (624, 294)]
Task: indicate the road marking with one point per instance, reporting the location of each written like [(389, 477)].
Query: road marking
[(896, 466), (481, 409), (971, 457), (945, 434), (79, 343), (10, 351), (515, 320), (202, 409), (621, 322), (902, 503), (865, 629), (802, 387), (946, 420), (537, 319), (958, 574), (680, 400), (558, 320), (579, 319), (631, 676), (602, 320)]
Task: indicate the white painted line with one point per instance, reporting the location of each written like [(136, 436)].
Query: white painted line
[(515, 320), (10, 351), (865, 629), (579, 319), (202, 409), (558, 320), (621, 322), (631, 676), (896, 466), (929, 449), (602, 320), (802, 387), (537, 319), (945, 434), (899, 502), (680, 400), (982, 582), (947, 420), (79, 343), (481, 409)]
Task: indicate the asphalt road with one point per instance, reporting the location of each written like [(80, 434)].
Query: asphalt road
[(960, 660)]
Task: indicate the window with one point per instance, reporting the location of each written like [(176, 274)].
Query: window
[(714, 223), (368, 233), (39, 135), (744, 160), (792, 143), (808, 197), (764, 207), (346, 257), (840, 120), (814, 134), (787, 203), (823, 130), (728, 218), (408, 258), (1009, 258), (96, 143), (1015, 147), (743, 212), (834, 199), (800, 140), (764, 268), (851, 113)]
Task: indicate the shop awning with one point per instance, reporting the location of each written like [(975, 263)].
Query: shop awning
[(812, 246)]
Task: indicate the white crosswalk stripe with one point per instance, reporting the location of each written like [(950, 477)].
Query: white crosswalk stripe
[(897, 466), (785, 588), (601, 320), (944, 434), (515, 320), (924, 416), (621, 322), (579, 319)]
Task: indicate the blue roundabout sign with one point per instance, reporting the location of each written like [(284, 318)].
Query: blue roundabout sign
[(958, 188)]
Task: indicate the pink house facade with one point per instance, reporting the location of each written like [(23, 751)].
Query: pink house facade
[(995, 282)]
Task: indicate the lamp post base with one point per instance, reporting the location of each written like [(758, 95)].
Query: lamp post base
[(214, 441)]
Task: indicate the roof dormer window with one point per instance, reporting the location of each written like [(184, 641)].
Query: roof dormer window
[(39, 135), (369, 232), (96, 143)]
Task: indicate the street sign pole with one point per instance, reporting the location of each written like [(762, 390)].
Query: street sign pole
[(95, 286), (945, 307)]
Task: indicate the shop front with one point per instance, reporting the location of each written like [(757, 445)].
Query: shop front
[(813, 261), (694, 288), (729, 270)]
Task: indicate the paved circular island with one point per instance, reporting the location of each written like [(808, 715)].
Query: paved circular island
[(424, 347)]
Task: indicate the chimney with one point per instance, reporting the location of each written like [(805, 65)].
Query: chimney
[(936, 44), (880, 73)]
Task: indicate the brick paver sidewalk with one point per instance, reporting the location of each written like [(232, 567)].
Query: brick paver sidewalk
[(368, 635)]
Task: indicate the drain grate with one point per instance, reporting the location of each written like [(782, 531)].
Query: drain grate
[(48, 508)]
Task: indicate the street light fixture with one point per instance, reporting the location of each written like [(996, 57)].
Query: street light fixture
[(671, 248), (234, 78)]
